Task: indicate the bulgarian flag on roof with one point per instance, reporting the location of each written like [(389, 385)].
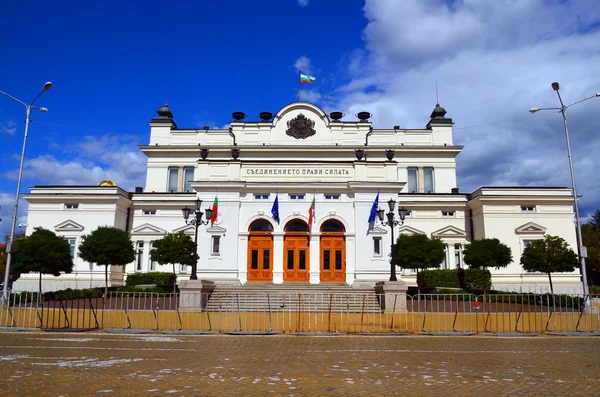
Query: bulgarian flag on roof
[(215, 209), (311, 212), (306, 78)]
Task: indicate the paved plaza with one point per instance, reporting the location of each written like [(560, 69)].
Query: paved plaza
[(96, 364)]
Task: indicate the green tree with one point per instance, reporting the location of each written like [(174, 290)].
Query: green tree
[(595, 221), (418, 251), (173, 248), (591, 239), (43, 252), (487, 252), (550, 255), (107, 246), (4, 255)]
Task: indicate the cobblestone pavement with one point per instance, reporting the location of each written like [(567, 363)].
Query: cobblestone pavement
[(96, 364)]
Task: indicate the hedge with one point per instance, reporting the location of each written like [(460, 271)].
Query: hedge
[(475, 279), (158, 278)]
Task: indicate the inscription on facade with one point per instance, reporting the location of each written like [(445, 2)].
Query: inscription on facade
[(297, 171)]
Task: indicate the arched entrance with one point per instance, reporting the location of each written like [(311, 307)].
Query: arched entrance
[(260, 251), (296, 252), (333, 252)]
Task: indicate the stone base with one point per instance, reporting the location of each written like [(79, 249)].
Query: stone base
[(392, 296), (194, 294)]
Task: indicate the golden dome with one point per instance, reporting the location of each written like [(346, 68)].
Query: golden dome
[(107, 182)]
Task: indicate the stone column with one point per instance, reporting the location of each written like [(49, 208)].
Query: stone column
[(194, 294), (392, 296)]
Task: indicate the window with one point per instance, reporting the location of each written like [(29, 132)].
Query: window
[(408, 214), (188, 177), (428, 179), (377, 246), (149, 212), (216, 245), (261, 196), (153, 263), (182, 268), (71, 206), (413, 180), (458, 255), (448, 213), (173, 180), (527, 208), (140, 256), (332, 197), (296, 196), (526, 243), (445, 260), (72, 244)]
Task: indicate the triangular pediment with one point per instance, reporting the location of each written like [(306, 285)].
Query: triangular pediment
[(449, 231), (147, 228), (216, 230), (69, 226), (410, 230), (530, 228), (187, 229), (377, 230)]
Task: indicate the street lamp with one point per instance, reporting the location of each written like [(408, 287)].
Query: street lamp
[(196, 221), (581, 251), (28, 108), (392, 222)]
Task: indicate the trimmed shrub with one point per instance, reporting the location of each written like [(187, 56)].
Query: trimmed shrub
[(475, 279), (158, 278)]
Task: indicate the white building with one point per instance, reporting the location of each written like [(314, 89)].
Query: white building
[(298, 154)]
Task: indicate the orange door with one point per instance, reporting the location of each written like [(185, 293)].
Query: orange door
[(333, 259), (295, 258), (260, 258)]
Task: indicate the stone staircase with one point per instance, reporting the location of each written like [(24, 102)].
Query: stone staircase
[(297, 298)]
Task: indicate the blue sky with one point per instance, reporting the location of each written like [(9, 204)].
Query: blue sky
[(112, 64)]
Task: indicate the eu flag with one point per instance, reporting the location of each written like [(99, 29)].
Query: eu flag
[(373, 213), (275, 210)]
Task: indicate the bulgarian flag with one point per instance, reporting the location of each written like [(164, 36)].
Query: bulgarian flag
[(215, 209), (306, 78), (311, 212)]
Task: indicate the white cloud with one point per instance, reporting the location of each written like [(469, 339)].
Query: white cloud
[(303, 3), (7, 205), (8, 127), (493, 61), (303, 63)]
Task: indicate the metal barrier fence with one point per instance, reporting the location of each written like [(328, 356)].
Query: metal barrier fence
[(309, 313)]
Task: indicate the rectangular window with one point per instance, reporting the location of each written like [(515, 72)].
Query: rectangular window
[(428, 181), (302, 260), (72, 243), (408, 214), (266, 259), (326, 260), (71, 206), (448, 213), (140, 256), (290, 260), (296, 196), (261, 196), (445, 261), (188, 177), (153, 263), (173, 180), (526, 243), (254, 262), (458, 255), (527, 208), (338, 259), (332, 197), (413, 180), (149, 212), (377, 246), (182, 268), (216, 245)]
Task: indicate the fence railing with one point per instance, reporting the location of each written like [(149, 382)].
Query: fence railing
[(309, 313)]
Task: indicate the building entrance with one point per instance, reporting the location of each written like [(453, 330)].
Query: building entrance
[(333, 252), (296, 253), (260, 251)]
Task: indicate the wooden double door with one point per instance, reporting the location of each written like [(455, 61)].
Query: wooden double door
[(296, 257), (333, 258), (260, 258)]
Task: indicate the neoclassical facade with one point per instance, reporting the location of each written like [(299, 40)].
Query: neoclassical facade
[(297, 156)]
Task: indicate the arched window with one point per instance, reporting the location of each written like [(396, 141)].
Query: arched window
[(296, 226), (333, 226), (261, 225)]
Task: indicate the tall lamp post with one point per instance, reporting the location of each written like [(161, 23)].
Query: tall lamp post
[(582, 250), (196, 221), (28, 108), (392, 222)]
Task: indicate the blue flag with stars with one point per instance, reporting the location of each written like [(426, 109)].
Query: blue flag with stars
[(275, 210), (373, 213)]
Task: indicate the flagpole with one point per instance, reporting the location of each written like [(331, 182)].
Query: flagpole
[(300, 83)]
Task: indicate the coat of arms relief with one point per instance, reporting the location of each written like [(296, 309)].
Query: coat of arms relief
[(300, 127)]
